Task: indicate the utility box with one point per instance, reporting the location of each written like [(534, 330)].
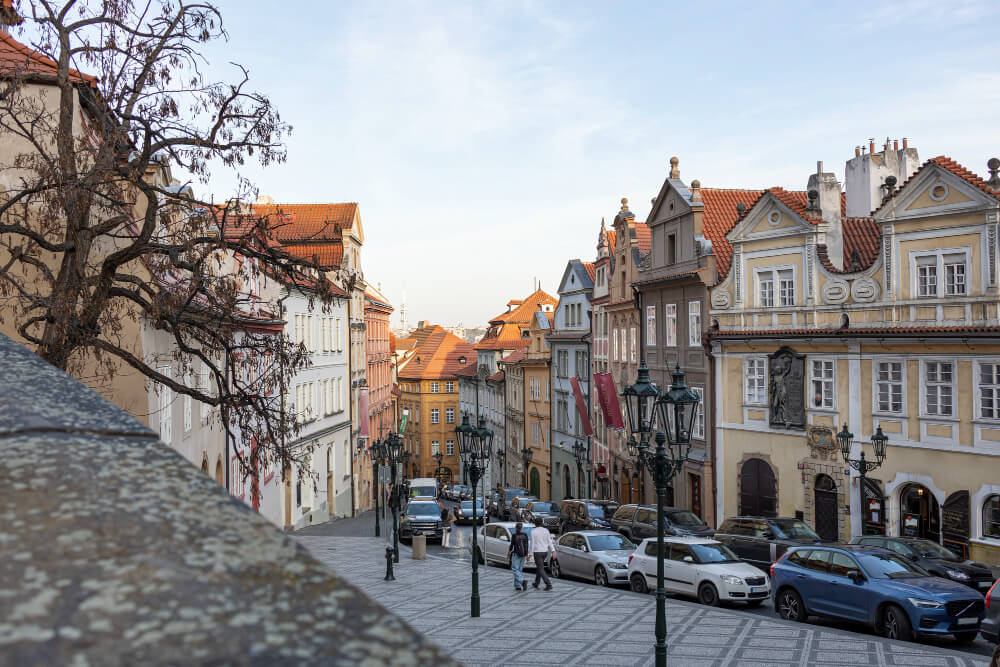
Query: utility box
[(419, 547)]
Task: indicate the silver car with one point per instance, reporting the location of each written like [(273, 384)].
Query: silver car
[(598, 555)]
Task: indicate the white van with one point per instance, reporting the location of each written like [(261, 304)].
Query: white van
[(423, 487)]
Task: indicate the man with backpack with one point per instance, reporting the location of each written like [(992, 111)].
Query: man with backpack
[(517, 552), (541, 546)]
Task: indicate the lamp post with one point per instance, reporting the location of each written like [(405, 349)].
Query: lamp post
[(675, 411), (526, 454), (437, 473), (375, 453), (475, 447), (580, 454), (845, 439), (501, 460), (394, 451)]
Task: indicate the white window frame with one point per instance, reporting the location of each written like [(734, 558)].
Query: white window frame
[(746, 380), (435, 387), (435, 415), (449, 416), (977, 368), (698, 431), (876, 408), (773, 274), (924, 385), (449, 387), (941, 279), (694, 323), (632, 346), (435, 447), (670, 325), (449, 447), (651, 326), (832, 381)]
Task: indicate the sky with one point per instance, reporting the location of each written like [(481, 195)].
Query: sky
[(485, 141)]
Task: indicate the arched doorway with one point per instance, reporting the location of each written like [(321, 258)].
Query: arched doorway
[(825, 508), (204, 463), (568, 491), (535, 484), (219, 472), (758, 489), (919, 513), (955, 524)]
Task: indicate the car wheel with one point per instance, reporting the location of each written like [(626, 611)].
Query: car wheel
[(896, 624), (995, 661), (601, 576), (753, 604), (708, 595), (556, 570), (790, 606), (965, 638), (637, 582)]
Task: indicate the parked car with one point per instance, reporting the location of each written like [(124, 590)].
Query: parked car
[(493, 503), (600, 556), (762, 540), (586, 515), (494, 541), (699, 567), (935, 558), (464, 512), (516, 511), (423, 487), (638, 522), (876, 586), (991, 624), (423, 516), (547, 511), (503, 509)]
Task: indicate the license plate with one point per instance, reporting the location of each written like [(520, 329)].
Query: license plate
[(757, 589), (967, 621), (985, 584)]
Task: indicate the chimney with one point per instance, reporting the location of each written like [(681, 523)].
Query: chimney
[(865, 176), (825, 183), (696, 190)]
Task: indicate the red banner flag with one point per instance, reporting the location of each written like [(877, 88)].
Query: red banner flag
[(581, 407), (608, 398)]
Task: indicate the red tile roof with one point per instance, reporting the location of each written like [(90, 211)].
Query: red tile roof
[(954, 167), (718, 218), (513, 357), (16, 59), (508, 326), (327, 255), (861, 235), (591, 270), (497, 377), (611, 234), (307, 222), (642, 237), (438, 356)]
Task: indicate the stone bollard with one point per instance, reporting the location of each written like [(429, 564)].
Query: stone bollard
[(388, 564), (419, 546)]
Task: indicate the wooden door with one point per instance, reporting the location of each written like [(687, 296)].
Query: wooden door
[(825, 508)]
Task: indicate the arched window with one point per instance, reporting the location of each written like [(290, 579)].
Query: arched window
[(991, 517), (536, 483), (758, 489)]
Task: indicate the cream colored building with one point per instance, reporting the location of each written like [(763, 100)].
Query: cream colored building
[(888, 321)]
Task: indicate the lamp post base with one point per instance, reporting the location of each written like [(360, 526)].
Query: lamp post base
[(389, 576)]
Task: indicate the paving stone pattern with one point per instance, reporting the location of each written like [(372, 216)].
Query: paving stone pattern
[(581, 624)]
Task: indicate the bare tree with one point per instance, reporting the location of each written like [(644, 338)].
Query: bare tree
[(96, 240)]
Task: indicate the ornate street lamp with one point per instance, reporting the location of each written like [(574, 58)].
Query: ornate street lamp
[(675, 411), (475, 448), (879, 441), (437, 473), (376, 455), (640, 403), (580, 454), (526, 454), (394, 456), (501, 459)]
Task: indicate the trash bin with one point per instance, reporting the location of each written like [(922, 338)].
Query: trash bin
[(419, 546)]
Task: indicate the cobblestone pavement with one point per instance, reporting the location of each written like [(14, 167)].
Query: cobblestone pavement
[(580, 624)]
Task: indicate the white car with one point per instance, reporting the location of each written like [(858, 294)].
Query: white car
[(494, 542), (700, 567)]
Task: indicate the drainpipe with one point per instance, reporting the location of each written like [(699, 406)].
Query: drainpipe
[(710, 419)]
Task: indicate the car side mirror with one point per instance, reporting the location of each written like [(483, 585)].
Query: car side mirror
[(688, 559), (856, 577), (584, 548), (768, 535), (505, 538)]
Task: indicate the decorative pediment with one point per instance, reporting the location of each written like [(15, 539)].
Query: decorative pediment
[(933, 190), (769, 217)]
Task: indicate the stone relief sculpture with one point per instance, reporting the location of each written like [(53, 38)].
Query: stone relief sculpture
[(787, 389)]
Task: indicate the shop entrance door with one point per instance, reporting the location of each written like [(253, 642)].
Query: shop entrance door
[(919, 513)]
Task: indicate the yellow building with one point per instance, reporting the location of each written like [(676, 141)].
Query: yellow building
[(537, 364), (888, 321), (429, 397)]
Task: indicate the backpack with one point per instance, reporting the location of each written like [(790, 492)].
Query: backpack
[(519, 543)]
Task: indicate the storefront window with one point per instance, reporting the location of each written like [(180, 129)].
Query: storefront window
[(991, 517)]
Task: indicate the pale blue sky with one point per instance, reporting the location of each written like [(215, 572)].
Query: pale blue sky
[(485, 140)]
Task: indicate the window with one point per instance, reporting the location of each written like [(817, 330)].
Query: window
[(927, 276), (581, 365), (786, 288), (989, 391), (694, 323), (930, 267), (938, 388), (449, 387), (671, 248), (699, 419), (822, 383), (535, 388), (650, 326), (890, 386), (756, 379), (780, 280), (435, 416), (434, 387), (435, 447), (954, 275), (562, 363), (237, 477), (449, 447), (614, 350), (536, 433), (671, 325), (766, 286), (632, 346), (164, 398), (991, 517), (449, 416)]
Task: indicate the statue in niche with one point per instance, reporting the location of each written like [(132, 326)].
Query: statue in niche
[(786, 390)]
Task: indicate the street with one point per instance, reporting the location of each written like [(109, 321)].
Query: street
[(364, 526)]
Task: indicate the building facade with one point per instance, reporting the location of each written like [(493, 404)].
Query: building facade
[(380, 378), (514, 418), (534, 472)]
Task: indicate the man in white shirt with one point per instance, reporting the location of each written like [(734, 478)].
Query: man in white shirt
[(541, 545)]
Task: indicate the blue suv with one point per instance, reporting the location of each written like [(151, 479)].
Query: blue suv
[(875, 586)]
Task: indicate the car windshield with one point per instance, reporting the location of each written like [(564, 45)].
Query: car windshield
[(687, 519), (595, 512), (713, 553), (521, 502), (609, 543), (510, 493), (793, 529), (415, 509), (928, 549), (889, 566), (543, 507), (423, 491), (467, 505)]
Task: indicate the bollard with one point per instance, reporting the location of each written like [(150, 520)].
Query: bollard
[(419, 545), (388, 563)]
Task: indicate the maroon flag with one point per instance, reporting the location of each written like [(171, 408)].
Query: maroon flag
[(608, 398), (581, 407)]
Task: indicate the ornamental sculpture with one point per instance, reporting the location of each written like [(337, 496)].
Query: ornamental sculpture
[(787, 389)]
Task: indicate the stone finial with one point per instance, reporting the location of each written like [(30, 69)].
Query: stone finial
[(741, 208), (993, 164), (674, 171), (696, 190), (624, 204), (602, 222)]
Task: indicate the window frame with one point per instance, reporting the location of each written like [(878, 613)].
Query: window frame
[(694, 323), (774, 276), (939, 254), (651, 326), (876, 410), (699, 420), (746, 378), (978, 386), (832, 380), (985, 523), (670, 325), (925, 385)]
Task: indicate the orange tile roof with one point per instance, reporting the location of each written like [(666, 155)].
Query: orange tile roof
[(509, 325), (611, 234), (954, 167), (642, 237), (327, 255), (496, 377), (591, 270), (307, 222), (437, 357), (718, 218), (513, 357), (16, 59), (861, 235)]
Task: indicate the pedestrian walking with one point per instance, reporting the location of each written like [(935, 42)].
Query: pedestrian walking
[(541, 545), (447, 519), (517, 552)]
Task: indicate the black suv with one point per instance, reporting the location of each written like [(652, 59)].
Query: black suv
[(421, 516), (504, 511), (762, 540), (935, 559), (638, 522), (586, 514), (547, 511)]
